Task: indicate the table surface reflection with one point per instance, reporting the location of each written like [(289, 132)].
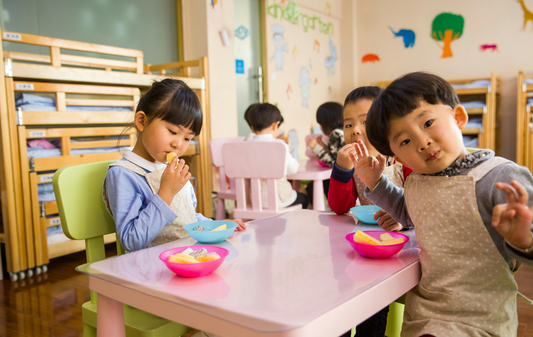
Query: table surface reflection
[(281, 273)]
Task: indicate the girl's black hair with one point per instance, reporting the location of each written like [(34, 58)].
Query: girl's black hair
[(366, 92), (174, 102), (262, 115), (329, 116)]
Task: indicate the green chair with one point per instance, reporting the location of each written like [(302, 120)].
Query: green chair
[(78, 191)]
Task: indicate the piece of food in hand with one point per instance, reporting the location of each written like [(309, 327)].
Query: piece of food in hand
[(207, 258), (361, 237), (199, 228), (387, 239), (220, 228), (170, 156), (182, 258)]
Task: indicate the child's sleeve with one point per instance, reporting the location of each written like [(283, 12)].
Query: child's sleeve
[(136, 225), (292, 164), (390, 198), (329, 155), (342, 193)]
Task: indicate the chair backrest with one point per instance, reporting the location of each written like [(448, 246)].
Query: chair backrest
[(215, 150), (255, 161), (78, 191)]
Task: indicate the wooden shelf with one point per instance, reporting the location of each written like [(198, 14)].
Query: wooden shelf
[(475, 111), (471, 131), (73, 246), (472, 91)]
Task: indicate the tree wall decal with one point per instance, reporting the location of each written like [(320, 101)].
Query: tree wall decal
[(446, 28)]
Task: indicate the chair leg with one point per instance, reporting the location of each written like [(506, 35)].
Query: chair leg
[(221, 210), (89, 331), (394, 320)]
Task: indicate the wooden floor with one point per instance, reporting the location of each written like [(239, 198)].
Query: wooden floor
[(50, 304)]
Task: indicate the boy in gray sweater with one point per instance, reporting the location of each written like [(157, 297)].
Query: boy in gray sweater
[(472, 212)]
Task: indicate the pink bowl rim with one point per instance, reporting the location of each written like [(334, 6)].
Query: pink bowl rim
[(224, 252), (349, 237)]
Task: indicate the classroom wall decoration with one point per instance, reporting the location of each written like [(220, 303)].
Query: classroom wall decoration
[(485, 47), (330, 60), (242, 32), (370, 58), (446, 28), (528, 15), (280, 45), (310, 66), (408, 36)]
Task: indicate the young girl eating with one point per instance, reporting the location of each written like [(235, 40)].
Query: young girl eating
[(149, 200)]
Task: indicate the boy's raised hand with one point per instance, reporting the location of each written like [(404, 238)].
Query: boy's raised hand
[(173, 179), (343, 157), (367, 167), (513, 220)]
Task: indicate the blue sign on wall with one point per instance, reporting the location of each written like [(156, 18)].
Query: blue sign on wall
[(239, 66)]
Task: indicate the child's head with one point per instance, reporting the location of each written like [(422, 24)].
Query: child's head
[(418, 119), (263, 118), (329, 116), (356, 107), (168, 116)]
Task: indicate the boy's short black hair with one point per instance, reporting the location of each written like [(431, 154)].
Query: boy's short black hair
[(366, 92), (329, 116), (262, 115), (402, 97)]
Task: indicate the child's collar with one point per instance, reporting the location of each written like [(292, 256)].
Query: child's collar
[(141, 162), (466, 162)]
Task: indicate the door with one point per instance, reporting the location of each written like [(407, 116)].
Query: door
[(247, 30)]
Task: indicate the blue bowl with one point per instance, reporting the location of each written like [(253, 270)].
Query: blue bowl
[(211, 237), (365, 213)]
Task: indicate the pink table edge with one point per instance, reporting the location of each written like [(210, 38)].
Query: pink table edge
[(110, 315), (317, 175)]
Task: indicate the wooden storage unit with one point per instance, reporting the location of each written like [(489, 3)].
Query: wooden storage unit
[(488, 134), (524, 120), (73, 80)]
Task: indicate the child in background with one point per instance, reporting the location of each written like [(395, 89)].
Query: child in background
[(329, 117), (346, 186), (150, 201), (264, 120), (472, 212)]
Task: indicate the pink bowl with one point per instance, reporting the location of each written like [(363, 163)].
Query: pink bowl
[(194, 269), (377, 252), (321, 163)]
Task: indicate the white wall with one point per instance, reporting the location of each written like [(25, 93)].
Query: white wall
[(486, 22)]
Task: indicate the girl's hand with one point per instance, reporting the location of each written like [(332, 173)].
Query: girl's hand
[(240, 224), (513, 220), (284, 137), (387, 222), (173, 179), (312, 142), (343, 157), (368, 168)]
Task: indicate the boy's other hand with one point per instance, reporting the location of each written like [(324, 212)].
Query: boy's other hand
[(367, 167), (320, 141), (387, 222), (513, 220), (240, 224), (343, 157), (312, 142)]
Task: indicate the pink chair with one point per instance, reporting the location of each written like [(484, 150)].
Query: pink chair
[(215, 149), (255, 161)]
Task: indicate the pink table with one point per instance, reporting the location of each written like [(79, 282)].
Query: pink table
[(311, 170), (289, 275)]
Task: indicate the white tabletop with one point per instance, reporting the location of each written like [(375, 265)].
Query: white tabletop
[(285, 275)]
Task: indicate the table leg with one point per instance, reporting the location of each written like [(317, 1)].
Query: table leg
[(109, 317), (318, 196)]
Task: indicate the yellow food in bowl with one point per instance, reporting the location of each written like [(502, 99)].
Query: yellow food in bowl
[(182, 258), (207, 258), (220, 228), (385, 239)]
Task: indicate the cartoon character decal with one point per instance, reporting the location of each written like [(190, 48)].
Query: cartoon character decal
[(330, 60), (280, 45), (305, 84)]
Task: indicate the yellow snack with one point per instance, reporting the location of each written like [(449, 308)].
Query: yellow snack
[(170, 156), (361, 237), (182, 258), (207, 258), (387, 239), (220, 228)]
